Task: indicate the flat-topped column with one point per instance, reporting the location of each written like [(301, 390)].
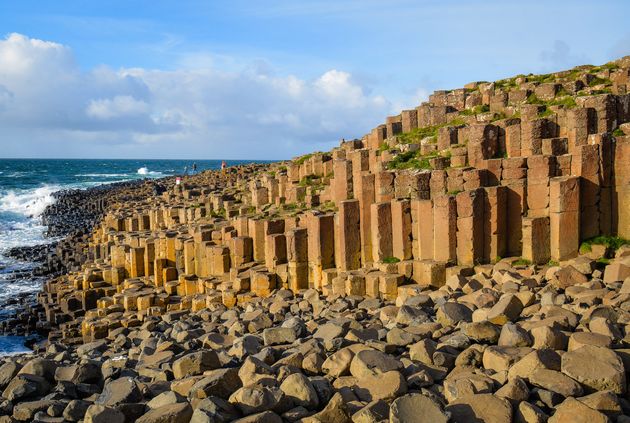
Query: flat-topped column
[(381, 218), (564, 205), (445, 230), (348, 236), (321, 245), (297, 258), (401, 229), (470, 227)]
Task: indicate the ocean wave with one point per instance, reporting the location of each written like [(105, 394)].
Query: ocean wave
[(21, 233), (146, 171), (103, 175), (17, 174), (29, 203)]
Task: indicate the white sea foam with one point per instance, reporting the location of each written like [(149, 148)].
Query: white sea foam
[(30, 203), (103, 175), (146, 171), (17, 174)]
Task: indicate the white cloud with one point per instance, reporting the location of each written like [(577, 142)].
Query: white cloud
[(119, 106), (204, 111)]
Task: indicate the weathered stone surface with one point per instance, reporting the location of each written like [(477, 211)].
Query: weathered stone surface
[(101, 414), (120, 391), (572, 410), (299, 389), (416, 408), (195, 363), (175, 413), (480, 407), (596, 368)]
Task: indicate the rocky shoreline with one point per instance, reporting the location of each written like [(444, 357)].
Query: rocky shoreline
[(72, 216), (463, 262)]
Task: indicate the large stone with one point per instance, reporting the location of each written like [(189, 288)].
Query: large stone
[(383, 386), (25, 411), (40, 367), (451, 313), (416, 408), (219, 383), (485, 408), (300, 390), (573, 411), (375, 411), (483, 332), (195, 363), (371, 363), (256, 399), (7, 372), (335, 411), (555, 381), (279, 335), (100, 414), (596, 368), (75, 410), (171, 413), (120, 391), (25, 386)]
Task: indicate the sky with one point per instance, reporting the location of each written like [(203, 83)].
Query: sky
[(265, 79)]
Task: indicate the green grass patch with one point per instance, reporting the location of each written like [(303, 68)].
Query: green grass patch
[(599, 81), (218, 213), (521, 262), (410, 160), (454, 192), (383, 147), (417, 134), (547, 77), (618, 132), (482, 108), (533, 99), (553, 263), (545, 113), (309, 181), (568, 102), (603, 260), (391, 260), (303, 158), (612, 242)]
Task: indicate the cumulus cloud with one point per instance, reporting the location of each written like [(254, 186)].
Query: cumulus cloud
[(195, 112)]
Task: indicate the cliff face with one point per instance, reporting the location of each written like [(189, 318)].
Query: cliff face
[(440, 253)]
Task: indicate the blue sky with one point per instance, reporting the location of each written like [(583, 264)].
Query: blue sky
[(263, 79)]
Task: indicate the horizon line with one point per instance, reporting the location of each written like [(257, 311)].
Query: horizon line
[(140, 159)]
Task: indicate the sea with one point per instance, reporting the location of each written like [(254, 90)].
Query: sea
[(26, 188)]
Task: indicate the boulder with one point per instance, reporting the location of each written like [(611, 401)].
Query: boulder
[(120, 391), (485, 408), (597, 368), (416, 408), (171, 413), (573, 411), (97, 413), (195, 363), (299, 389)]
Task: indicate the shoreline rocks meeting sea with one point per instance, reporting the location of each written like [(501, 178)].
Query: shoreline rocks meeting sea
[(466, 261)]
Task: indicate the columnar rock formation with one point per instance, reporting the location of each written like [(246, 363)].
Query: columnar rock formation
[(437, 255), (525, 167)]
